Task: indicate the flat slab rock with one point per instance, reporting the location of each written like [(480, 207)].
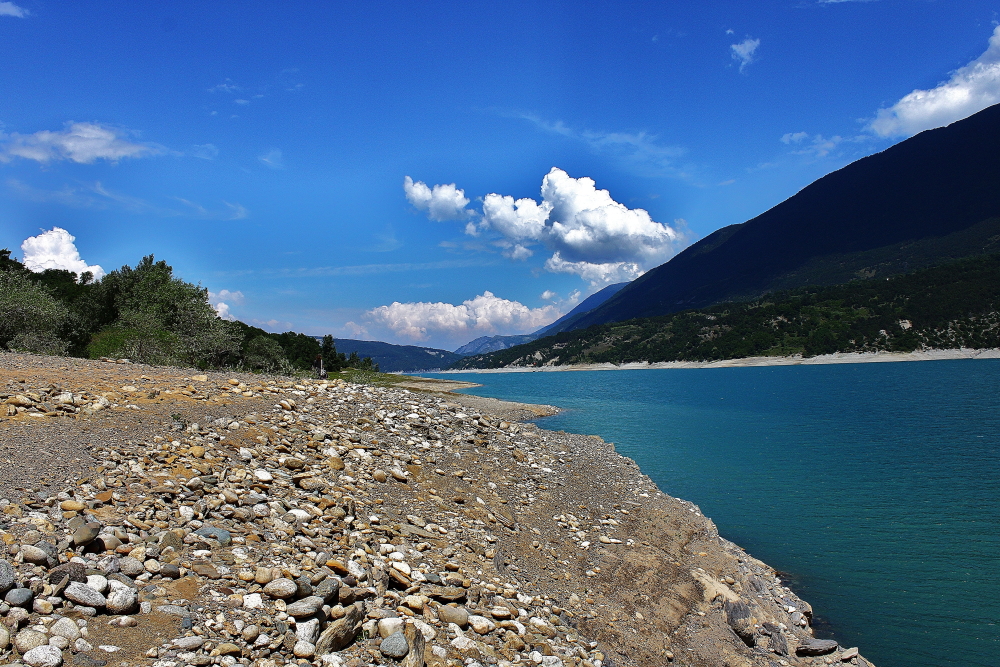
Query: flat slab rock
[(816, 647)]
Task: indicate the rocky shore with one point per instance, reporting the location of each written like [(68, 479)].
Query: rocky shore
[(160, 516)]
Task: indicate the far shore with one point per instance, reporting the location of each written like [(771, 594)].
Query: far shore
[(795, 360)]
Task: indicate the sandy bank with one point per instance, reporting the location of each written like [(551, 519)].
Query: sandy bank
[(796, 360)]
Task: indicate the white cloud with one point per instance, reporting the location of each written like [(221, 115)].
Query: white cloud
[(84, 143), (356, 331), (273, 325), (518, 252), (55, 249), (589, 233), (10, 9), (226, 86), (442, 202), (485, 314), (794, 137), (548, 295), (222, 310), (273, 159), (744, 51), (970, 89), (236, 297), (595, 273)]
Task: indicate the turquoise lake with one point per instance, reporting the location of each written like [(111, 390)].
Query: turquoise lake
[(873, 488)]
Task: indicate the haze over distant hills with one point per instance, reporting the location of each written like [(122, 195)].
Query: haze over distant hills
[(930, 199), (485, 344), (398, 358)]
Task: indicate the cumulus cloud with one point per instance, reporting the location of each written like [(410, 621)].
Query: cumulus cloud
[(84, 143), (442, 202), (970, 89), (10, 9), (221, 301), (55, 249), (485, 314), (744, 51), (548, 295), (596, 273), (589, 233)]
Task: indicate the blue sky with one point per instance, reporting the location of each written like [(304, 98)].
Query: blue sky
[(377, 169)]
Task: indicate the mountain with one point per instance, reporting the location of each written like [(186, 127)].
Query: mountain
[(398, 358), (930, 199), (949, 306), (485, 344)]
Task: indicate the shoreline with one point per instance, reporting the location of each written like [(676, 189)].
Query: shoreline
[(750, 362), (437, 519)]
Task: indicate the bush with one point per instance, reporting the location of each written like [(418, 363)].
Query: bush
[(30, 317)]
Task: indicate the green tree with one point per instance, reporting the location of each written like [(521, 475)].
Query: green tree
[(31, 319)]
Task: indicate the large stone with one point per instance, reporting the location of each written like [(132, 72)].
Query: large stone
[(395, 646), (26, 639), (122, 601), (34, 555), (446, 593), (86, 533), (84, 595), (457, 615), (206, 570), (390, 626), (4, 638), (67, 628), (303, 649), (328, 589), (341, 632), (131, 567), (7, 578), (307, 630), (75, 572), (282, 588), (816, 647), (216, 533), (305, 607), (43, 656), (19, 597)]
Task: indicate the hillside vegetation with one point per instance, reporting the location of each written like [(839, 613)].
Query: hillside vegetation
[(145, 314), (949, 306)]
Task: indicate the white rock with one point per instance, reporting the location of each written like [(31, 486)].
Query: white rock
[(389, 626), (65, 627), (43, 656), (253, 601), (263, 475), (98, 583)]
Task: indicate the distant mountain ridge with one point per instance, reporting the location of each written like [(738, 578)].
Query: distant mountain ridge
[(397, 358), (930, 199), (485, 344)]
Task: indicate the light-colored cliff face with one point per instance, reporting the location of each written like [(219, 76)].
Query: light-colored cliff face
[(225, 519)]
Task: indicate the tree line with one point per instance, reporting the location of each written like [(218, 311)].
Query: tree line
[(953, 305), (148, 315)]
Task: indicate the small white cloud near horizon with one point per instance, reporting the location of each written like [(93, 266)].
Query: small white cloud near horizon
[(273, 325), (483, 315), (441, 203), (55, 249), (83, 143), (220, 301), (548, 295), (10, 9), (744, 51), (970, 89)]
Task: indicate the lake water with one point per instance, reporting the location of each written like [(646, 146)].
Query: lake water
[(874, 488)]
